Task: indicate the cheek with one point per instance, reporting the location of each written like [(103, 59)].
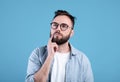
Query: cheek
[(67, 33), (52, 32)]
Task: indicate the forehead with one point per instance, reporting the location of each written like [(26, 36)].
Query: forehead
[(63, 19)]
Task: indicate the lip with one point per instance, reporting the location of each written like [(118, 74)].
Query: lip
[(57, 34)]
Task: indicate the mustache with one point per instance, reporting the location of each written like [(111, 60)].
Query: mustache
[(57, 32)]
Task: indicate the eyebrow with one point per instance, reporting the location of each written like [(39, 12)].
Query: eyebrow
[(59, 23)]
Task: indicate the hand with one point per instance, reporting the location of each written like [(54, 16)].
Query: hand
[(52, 46)]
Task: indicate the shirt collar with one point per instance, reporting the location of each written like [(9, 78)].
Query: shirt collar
[(73, 50)]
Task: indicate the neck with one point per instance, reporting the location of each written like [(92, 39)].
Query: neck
[(64, 48)]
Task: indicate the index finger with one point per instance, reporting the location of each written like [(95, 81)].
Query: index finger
[(51, 37)]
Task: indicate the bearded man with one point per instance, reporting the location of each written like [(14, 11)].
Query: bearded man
[(59, 61)]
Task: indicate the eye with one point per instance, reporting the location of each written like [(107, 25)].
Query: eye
[(54, 25), (64, 25)]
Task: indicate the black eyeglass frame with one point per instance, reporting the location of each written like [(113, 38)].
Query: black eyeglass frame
[(63, 26)]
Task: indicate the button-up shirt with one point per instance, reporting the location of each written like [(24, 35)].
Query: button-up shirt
[(78, 67)]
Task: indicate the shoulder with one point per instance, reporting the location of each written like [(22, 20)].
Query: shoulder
[(79, 54), (39, 51), (76, 52)]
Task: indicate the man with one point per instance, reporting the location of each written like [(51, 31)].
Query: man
[(59, 61)]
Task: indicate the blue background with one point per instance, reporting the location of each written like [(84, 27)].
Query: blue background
[(25, 25)]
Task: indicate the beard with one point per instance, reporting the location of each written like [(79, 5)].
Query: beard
[(62, 40)]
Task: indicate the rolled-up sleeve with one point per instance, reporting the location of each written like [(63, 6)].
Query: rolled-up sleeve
[(33, 66)]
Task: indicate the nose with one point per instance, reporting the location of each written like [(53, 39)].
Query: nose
[(58, 28), (58, 31)]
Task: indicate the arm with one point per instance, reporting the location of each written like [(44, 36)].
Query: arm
[(42, 74), (36, 72)]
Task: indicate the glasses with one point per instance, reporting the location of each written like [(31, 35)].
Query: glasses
[(63, 26)]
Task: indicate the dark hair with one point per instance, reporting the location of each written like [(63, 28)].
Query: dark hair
[(63, 12)]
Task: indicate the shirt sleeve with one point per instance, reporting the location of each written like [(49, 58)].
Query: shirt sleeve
[(33, 66), (87, 72)]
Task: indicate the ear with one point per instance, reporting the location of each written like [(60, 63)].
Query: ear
[(72, 33)]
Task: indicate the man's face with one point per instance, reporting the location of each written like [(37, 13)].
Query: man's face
[(61, 36)]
